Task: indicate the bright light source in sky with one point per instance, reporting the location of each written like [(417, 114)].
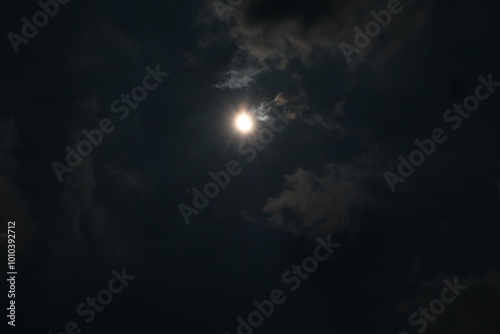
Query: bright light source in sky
[(244, 122)]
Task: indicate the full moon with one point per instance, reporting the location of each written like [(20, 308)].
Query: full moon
[(244, 122)]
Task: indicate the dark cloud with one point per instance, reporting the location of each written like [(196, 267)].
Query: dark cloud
[(319, 202), (277, 32)]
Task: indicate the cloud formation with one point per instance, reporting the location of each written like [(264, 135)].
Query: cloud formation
[(319, 202)]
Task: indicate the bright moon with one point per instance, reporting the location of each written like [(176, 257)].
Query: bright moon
[(244, 123)]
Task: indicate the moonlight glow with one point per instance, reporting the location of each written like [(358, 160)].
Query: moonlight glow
[(244, 122)]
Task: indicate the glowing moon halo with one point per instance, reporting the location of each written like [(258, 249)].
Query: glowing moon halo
[(244, 122)]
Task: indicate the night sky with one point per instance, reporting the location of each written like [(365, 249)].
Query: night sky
[(364, 196)]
